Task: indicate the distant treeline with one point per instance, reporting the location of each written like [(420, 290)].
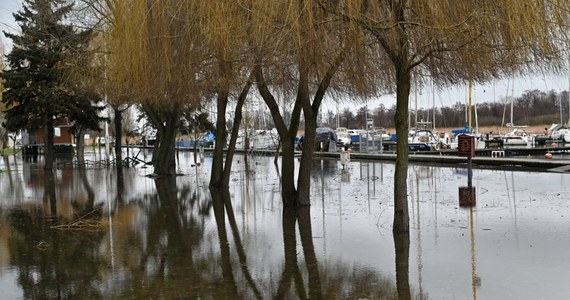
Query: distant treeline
[(531, 108)]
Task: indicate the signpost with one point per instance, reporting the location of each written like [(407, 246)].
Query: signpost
[(466, 148)]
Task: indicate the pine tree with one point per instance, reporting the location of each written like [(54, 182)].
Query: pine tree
[(41, 78)]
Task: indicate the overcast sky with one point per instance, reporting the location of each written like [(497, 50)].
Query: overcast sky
[(426, 98), (7, 23)]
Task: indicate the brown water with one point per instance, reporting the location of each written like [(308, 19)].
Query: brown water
[(96, 233)]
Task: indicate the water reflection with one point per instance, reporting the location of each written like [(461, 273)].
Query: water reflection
[(402, 248), (222, 206), (172, 238), (291, 272), (46, 258)]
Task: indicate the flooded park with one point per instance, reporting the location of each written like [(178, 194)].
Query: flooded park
[(95, 231)]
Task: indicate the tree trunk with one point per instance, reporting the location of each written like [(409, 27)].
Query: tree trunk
[(118, 135), (80, 146), (287, 135), (306, 165), (288, 189), (220, 139), (165, 162), (225, 180), (48, 145), (90, 203), (307, 160), (156, 144), (401, 214)]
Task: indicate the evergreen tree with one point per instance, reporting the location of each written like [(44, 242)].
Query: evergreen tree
[(41, 78)]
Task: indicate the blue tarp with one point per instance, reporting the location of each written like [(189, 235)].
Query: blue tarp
[(464, 130), (210, 137)]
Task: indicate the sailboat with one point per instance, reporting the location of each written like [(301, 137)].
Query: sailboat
[(422, 139), (517, 136)]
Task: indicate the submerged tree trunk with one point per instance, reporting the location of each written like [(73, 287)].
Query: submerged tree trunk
[(165, 163), (166, 121), (220, 140), (306, 165), (118, 134), (311, 111), (300, 195), (401, 215), (233, 138), (288, 190), (287, 135), (49, 152), (221, 171), (80, 145)]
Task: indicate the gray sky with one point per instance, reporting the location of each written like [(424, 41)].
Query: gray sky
[(492, 92), (7, 23)]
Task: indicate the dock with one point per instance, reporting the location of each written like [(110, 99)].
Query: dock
[(482, 160), (515, 158)]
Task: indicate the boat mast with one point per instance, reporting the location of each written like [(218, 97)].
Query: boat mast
[(433, 94), (337, 115), (512, 101), (469, 109), (416, 110)]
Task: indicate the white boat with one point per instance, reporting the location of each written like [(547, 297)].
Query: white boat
[(516, 137), (259, 139), (567, 137), (343, 136), (424, 137), (559, 133), (381, 134)]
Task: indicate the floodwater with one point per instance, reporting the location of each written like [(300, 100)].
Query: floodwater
[(95, 232)]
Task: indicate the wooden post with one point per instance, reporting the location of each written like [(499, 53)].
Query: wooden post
[(466, 147)]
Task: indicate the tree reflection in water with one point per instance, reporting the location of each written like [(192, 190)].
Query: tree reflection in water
[(52, 263), (167, 263), (402, 248), (175, 239), (291, 270)]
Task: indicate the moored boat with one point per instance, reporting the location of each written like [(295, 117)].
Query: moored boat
[(516, 137)]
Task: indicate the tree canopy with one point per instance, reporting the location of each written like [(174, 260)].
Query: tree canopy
[(450, 42), (42, 67), (43, 79), (185, 53)]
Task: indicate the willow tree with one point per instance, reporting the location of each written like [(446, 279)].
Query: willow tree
[(156, 54), (454, 42), (223, 27), (118, 94), (303, 52)]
